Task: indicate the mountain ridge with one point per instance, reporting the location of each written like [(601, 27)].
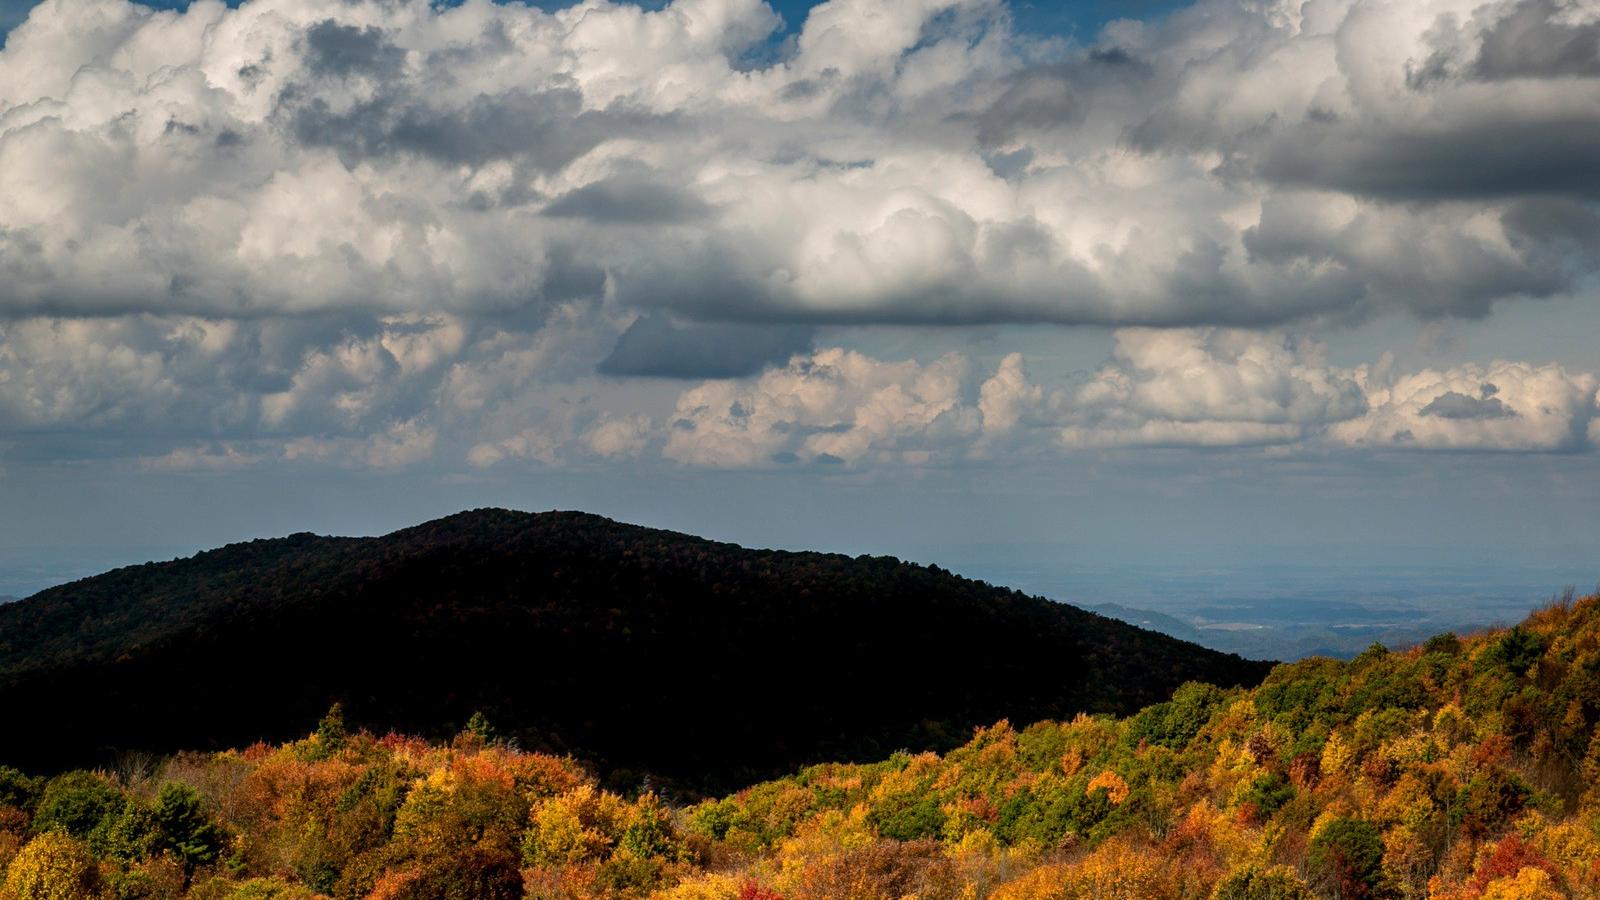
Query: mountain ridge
[(575, 634)]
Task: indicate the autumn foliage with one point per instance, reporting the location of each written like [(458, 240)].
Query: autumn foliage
[(1463, 769)]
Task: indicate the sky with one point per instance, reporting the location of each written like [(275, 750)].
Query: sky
[(1237, 281)]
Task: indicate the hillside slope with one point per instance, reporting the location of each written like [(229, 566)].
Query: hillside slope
[(1463, 769), (1459, 769), (637, 648)]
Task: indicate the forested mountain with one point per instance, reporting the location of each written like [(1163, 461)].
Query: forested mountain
[(641, 650), (1461, 769)]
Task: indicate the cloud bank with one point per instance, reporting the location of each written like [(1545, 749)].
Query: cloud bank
[(409, 390), (908, 162), (384, 233)]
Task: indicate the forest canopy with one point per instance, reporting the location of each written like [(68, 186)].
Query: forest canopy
[(1467, 768)]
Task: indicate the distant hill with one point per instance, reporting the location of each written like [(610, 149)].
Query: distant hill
[(1266, 635), (1145, 618), (638, 649)]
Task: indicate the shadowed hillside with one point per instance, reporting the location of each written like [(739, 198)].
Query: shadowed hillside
[(639, 649), (1462, 769)]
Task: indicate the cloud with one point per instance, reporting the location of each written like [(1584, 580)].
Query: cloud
[(222, 456), (557, 442), (399, 445), (1208, 388), (402, 234), (656, 346), (226, 394), (922, 164), (1196, 388), (628, 200), (1541, 39), (448, 393), (1502, 407), (835, 407)]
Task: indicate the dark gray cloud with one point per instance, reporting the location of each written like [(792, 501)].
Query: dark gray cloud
[(1530, 42), (335, 49), (656, 346), (1456, 405), (629, 199), (1040, 98), (1484, 158), (1496, 112), (545, 129)]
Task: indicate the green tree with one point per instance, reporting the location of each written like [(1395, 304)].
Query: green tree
[(479, 729), (182, 827), (79, 803), (17, 789), (331, 732), (1345, 860), (1517, 650), (907, 817), (1175, 723), (1268, 793), (1488, 801), (1446, 643), (1255, 883), (650, 835)]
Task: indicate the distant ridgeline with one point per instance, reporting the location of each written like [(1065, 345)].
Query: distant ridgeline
[(636, 649), (1463, 769)]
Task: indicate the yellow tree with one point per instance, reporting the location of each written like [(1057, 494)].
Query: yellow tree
[(53, 866)]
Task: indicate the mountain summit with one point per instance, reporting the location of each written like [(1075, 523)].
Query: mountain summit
[(635, 648)]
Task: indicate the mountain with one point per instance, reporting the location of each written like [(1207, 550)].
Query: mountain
[(1171, 626), (1465, 768), (635, 648), (1295, 639)]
